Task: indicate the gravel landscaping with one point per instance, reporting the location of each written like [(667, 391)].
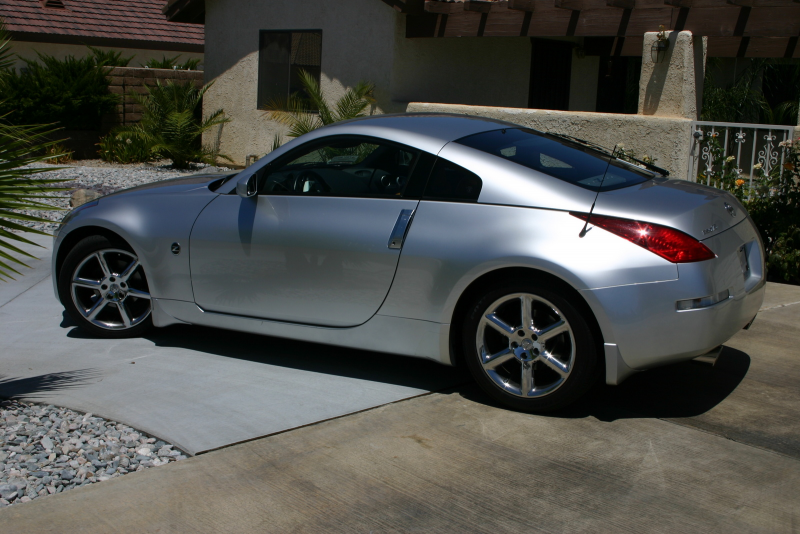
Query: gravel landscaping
[(102, 177), (47, 449)]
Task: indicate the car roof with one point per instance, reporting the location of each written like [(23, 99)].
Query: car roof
[(427, 131)]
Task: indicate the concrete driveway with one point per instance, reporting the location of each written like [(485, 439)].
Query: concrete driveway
[(198, 388), (686, 448)]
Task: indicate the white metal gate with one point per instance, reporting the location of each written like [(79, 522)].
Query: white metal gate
[(748, 144)]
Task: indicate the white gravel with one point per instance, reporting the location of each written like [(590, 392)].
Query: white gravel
[(105, 178), (46, 450)]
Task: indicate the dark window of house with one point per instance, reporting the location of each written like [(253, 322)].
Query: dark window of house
[(551, 66), (559, 158), (618, 84), (281, 57), (451, 182)]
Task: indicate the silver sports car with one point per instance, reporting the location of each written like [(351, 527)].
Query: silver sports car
[(539, 261)]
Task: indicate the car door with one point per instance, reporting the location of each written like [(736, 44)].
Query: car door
[(320, 242)]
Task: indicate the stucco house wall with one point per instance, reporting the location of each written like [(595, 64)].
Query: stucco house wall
[(473, 71), (361, 40), (357, 43)]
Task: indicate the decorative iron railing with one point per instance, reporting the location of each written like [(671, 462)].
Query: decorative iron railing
[(748, 144)]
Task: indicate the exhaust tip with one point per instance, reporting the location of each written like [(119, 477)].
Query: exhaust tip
[(710, 357)]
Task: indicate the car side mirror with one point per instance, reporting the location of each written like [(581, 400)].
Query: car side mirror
[(247, 187)]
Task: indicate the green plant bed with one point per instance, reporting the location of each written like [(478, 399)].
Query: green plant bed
[(773, 203), (81, 143), (120, 147), (72, 93), (169, 128)]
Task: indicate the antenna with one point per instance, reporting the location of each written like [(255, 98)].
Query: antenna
[(603, 179)]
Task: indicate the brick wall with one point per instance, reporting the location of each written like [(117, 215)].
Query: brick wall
[(126, 80)]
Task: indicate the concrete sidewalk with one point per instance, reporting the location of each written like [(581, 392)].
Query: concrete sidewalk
[(688, 448), (198, 388)]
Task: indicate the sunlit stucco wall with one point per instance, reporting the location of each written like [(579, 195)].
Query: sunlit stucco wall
[(357, 44), (361, 40)]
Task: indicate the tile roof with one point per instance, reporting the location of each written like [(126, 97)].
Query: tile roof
[(138, 20)]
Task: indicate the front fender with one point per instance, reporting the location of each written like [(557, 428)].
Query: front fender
[(150, 221)]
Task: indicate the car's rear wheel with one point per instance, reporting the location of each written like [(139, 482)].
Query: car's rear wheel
[(104, 289), (529, 347)]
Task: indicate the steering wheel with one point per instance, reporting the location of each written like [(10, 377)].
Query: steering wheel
[(389, 182), (310, 182)]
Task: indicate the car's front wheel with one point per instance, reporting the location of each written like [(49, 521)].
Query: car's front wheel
[(529, 347), (104, 289)]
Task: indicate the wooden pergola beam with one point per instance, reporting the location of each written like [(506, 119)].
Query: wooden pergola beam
[(483, 6), (542, 18)]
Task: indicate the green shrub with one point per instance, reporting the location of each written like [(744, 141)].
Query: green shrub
[(766, 91), (109, 58), (58, 154), (170, 126), (117, 147), (773, 204), (172, 62), (72, 92)]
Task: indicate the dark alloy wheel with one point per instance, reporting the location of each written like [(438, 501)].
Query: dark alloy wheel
[(529, 348), (104, 289)]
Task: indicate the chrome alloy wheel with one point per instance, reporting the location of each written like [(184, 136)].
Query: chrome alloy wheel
[(110, 290), (525, 344)]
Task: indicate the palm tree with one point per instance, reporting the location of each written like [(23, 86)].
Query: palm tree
[(305, 113), (20, 146), (169, 125)]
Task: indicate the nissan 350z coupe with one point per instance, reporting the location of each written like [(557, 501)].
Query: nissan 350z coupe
[(537, 260)]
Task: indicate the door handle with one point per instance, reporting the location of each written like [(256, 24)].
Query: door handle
[(400, 229)]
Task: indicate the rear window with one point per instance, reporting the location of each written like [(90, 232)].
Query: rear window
[(559, 158)]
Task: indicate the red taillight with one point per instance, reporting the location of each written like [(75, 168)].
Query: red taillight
[(672, 245)]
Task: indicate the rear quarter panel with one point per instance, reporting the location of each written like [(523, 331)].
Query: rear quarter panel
[(449, 245)]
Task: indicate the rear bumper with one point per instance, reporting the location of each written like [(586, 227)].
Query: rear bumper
[(643, 320)]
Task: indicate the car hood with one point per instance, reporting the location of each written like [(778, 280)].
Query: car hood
[(174, 185), (699, 210)]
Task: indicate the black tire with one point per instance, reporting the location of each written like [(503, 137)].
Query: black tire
[(105, 325), (578, 342)]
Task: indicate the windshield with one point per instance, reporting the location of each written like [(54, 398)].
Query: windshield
[(560, 158)]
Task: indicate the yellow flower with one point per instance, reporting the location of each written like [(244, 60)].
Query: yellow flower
[(730, 158), (757, 166), (739, 182)]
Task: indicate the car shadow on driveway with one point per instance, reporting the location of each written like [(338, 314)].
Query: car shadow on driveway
[(306, 356), (681, 390), (676, 391)]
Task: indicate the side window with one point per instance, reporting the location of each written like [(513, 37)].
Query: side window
[(452, 182), (342, 167)]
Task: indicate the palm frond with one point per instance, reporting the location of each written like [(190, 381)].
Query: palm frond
[(303, 114), (355, 101), (315, 97), (277, 141), (6, 58)]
